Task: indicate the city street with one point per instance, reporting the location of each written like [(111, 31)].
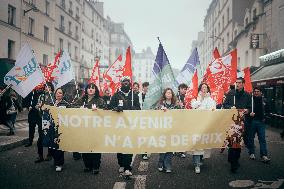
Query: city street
[(18, 170)]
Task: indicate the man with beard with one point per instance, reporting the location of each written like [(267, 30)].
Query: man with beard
[(125, 99)]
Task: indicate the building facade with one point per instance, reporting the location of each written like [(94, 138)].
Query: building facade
[(253, 27), (67, 31), (143, 64), (49, 26), (27, 21)]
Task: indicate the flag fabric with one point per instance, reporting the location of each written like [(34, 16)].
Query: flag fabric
[(127, 70), (48, 70), (216, 53), (64, 72), (220, 74), (95, 77), (26, 74), (246, 75), (192, 91), (114, 73), (187, 72), (163, 78)]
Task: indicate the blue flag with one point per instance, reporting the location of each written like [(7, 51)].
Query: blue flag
[(163, 78), (189, 68)]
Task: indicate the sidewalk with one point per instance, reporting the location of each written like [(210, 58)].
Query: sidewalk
[(21, 133)]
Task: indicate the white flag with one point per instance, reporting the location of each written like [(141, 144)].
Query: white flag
[(64, 72), (26, 74)]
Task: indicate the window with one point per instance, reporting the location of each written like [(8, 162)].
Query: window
[(83, 7), (82, 43), (63, 4), (62, 23), (228, 15), (70, 7), (76, 30), (11, 49), (223, 22), (92, 33), (60, 43), (45, 59), (254, 14), (31, 26), (77, 13), (11, 15), (69, 48), (32, 2), (93, 16), (46, 31), (70, 25), (47, 5), (83, 26), (246, 22), (76, 53)]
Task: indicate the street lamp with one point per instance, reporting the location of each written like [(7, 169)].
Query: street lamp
[(33, 9)]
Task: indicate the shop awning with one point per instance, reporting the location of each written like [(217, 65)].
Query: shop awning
[(275, 71)]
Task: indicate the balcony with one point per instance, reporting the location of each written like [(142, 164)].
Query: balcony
[(77, 17), (62, 28), (30, 34), (70, 33)]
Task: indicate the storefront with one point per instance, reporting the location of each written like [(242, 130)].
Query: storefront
[(270, 78)]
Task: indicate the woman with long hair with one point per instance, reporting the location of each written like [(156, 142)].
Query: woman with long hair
[(202, 102), (168, 101), (91, 100)]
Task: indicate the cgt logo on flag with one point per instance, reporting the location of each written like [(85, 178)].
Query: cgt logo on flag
[(21, 74)]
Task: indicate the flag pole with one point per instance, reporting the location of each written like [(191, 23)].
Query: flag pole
[(32, 99), (235, 96), (252, 103), (6, 88)]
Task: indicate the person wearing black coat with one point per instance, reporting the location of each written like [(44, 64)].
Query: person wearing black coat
[(125, 99), (91, 100), (241, 100), (45, 98), (34, 117), (257, 126)]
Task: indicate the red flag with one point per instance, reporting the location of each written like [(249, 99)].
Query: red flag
[(248, 85), (192, 91), (127, 70), (220, 74), (216, 53), (114, 73), (95, 77), (48, 70)]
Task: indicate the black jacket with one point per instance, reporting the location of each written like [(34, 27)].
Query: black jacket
[(126, 98), (258, 108), (98, 101), (243, 100)]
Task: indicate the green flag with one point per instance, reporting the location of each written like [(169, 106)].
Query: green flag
[(163, 78)]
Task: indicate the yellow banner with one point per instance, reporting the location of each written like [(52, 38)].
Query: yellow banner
[(84, 130)]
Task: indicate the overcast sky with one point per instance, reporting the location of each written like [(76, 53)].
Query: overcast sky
[(175, 22)]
